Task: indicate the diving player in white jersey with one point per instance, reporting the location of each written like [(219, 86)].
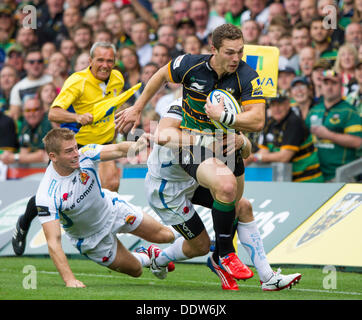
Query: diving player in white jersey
[(70, 194), (172, 193)]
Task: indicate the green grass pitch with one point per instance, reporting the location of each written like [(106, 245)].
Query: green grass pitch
[(188, 281)]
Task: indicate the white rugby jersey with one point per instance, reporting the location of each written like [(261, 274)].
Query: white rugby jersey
[(78, 200), (162, 164)]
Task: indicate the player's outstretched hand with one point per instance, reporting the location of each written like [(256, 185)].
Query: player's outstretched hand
[(74, 283), (142, 143), (127, 119), (214, 111)]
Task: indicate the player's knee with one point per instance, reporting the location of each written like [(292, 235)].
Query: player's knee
[(244, 210), (226, 189), (137, 273), (165, 236)]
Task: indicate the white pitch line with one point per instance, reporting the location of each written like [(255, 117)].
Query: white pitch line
[(210, 283)]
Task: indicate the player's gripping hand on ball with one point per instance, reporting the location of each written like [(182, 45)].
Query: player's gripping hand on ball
[(214, 111)]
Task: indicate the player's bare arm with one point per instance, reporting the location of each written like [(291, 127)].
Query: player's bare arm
[(132, 115), (53, 236), (168, 133), (122, 149), (251, 120), (284, 155), (59, 115)]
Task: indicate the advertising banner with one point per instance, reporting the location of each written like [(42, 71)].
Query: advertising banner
[(331, 236), (265, 60)]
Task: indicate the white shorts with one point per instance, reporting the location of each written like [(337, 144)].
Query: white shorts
[(171, 200), (101, 247)]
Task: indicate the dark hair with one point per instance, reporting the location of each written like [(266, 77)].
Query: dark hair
[(32, 50), (150, 64), (159, 44), (141, 21), (317, 18), (225, 31), (82, 25), (301, 25), (104, 30)]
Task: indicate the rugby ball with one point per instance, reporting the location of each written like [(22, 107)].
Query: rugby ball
[(230, 105)]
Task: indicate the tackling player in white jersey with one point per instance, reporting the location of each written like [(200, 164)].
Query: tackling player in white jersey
[(70, 193), (172, 193)]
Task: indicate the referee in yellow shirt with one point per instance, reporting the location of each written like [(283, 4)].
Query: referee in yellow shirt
[(74, 104), (74, 108)]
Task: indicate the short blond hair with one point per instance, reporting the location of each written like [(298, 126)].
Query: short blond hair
[(54, 138)]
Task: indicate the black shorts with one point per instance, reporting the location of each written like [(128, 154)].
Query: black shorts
[(191, 157), (193, 227)]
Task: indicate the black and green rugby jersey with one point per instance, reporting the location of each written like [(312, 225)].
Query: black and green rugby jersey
[(292, 134), (199, 79), (340, 118)]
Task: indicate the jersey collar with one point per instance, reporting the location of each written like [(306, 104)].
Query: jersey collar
[(95, 79)]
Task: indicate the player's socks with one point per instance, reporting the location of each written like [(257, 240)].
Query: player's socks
[(142, 257), (30, 213), (175, 233), (172, 253), (215, 254), (223, 215), (249, 237)]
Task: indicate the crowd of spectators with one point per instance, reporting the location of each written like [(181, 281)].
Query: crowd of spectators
[(314, 37)]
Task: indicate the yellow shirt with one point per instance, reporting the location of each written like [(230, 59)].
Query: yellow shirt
[(80, 92)]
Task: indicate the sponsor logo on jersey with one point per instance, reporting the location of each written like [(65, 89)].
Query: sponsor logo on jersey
[(197, 87), (257, 88), (187, 230), (88, 147), (335, 119), (43, 211), (85, 193), (230, 90), (106, 258), (334, 215), (66, 195), (83, 177), (177, 62), (130, 219)]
